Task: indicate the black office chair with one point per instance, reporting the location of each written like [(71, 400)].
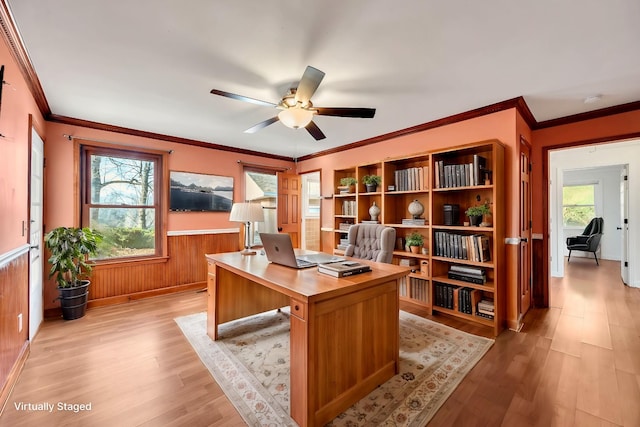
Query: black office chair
[(589, 240)]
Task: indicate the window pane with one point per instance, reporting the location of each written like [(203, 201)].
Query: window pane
[(577, 215), (118, 180), (578, 195), (128, 232)]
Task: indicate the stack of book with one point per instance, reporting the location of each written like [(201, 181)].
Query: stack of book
[(469, 274), (407, 262), (344, 226), (413, 221), (461, 175), (411, 179), (486, 309), (349, 207), (343, 268)]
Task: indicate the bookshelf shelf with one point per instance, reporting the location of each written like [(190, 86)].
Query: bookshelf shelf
[(470, 317)]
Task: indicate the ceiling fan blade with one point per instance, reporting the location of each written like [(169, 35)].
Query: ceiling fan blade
[(242, 98), (315, 131), (308, 84), (261, 125), (363, 113)]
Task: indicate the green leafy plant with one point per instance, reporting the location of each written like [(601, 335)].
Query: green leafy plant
[(478, 210), (349, 180), (415, 239), (70, 248), (372, 179)]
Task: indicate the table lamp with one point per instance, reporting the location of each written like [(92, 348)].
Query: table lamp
[(246, 213)]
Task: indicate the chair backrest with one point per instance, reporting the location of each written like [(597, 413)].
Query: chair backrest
[(595, 226), (371, 241)]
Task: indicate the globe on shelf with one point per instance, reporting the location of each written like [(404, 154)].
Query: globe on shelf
[(416, 209)]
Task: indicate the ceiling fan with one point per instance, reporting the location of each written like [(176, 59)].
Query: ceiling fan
[(297, 108)]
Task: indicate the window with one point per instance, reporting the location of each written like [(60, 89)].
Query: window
[(262, 187), (578, 205), (120, 197)]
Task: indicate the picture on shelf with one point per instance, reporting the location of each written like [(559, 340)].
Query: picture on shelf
[(194, 192)]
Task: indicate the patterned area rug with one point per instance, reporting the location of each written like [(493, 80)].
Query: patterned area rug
[(251, 364)]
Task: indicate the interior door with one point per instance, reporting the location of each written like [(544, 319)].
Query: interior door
[(36, 305), (289, 203), (525, 277), (624, 221)]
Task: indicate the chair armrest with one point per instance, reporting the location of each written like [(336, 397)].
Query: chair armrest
[(577, 240)]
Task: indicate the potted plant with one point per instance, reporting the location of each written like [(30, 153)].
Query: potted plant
[(475, 213), (347, 184), (70, 248), (371, 182), (415, 242)]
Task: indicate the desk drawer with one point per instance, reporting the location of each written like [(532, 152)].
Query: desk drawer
[(299, 309)]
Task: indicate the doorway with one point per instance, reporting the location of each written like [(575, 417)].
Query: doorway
[(600, 167), (36, 291), (311, 211)]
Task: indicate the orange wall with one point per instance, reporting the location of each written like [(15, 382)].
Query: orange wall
[(609, 128), (505, 126), (500, 126), (17, 104), (61, 191)]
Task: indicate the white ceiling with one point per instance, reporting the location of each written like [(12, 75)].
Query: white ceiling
[(149, 64)]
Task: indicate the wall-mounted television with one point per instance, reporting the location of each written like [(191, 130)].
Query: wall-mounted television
[(196, 192)]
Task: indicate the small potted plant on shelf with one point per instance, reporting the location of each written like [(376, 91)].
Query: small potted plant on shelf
[(415, 241), (371, 182), (70, 248), (475, 213), (347, 184)]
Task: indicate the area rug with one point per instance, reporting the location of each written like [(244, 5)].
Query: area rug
[(250, 362)]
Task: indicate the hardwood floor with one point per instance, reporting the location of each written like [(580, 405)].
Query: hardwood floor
[(576, 363)]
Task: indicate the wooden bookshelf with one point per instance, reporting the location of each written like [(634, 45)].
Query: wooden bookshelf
[(409, 178)]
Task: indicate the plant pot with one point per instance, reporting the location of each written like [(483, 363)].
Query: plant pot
[(415, 249), (475, 220), (371, 188), (73, 300)]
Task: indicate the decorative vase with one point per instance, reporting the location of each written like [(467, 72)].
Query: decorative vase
[(374, 211), (416, 209)]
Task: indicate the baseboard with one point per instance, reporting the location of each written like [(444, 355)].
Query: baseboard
[(122, 299), (14, 374)]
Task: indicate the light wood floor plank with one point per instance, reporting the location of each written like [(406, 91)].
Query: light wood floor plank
[(574, 364)]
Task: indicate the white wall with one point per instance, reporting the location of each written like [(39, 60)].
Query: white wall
[(607, 199), (602, 155)]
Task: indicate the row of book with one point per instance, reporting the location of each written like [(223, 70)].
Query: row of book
[(412, 179), (419, 289), (457, 298), (349, 207), (468, 274), (461, 175), (471, 247)]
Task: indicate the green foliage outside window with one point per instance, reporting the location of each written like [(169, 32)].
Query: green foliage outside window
[(578, 205)]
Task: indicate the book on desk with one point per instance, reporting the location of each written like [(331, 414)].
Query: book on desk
[(343, 268)]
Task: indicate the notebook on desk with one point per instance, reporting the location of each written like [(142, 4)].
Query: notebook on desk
[(279, 250)]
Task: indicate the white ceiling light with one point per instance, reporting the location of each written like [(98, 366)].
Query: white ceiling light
[(295, 117), (591, 99)]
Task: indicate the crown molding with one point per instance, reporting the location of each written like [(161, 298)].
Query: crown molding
[(517, 103), (595, 114), (19, 53), (54, 118)]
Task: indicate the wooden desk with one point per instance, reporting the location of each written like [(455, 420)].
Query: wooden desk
[(344, 332)]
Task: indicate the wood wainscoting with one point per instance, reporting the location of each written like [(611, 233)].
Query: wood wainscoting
[(185, 268), (14, 300)]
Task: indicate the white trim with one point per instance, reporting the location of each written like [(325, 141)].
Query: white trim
[(7, 257), (197, 232), (327, 229)]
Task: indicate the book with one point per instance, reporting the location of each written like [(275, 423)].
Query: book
[(343, 268), (479, 166)]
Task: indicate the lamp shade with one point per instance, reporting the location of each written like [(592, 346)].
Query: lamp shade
[(295, 117), (246, 212)]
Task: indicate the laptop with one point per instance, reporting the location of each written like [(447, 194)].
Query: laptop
[(279, 250)]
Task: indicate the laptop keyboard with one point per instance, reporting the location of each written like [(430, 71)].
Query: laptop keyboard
[(304, 263)]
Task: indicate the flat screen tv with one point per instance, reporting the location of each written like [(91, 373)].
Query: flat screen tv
[(196, 192)]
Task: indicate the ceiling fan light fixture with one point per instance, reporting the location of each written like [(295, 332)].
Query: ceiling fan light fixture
[(295, 117)]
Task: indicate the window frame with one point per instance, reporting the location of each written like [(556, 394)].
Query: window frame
[(85, 150), (596, 188)]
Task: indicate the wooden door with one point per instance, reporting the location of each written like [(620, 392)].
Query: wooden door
[(289, 204), (524, 271)]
